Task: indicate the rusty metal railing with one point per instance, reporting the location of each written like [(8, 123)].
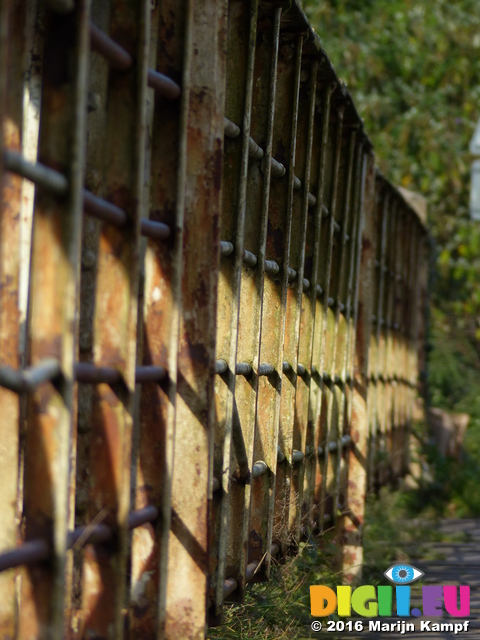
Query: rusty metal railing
[(211, 311)]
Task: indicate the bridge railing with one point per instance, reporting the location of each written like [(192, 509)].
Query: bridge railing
[(211, 311)]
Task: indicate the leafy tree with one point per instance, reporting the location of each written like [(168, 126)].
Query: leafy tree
[(413, 67)]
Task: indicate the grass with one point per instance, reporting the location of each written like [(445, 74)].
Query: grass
[(280, 609)]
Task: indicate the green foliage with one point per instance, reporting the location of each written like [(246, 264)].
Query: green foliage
[(280, 609), (413, 67)]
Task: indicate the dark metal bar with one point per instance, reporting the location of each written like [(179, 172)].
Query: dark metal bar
[(29, 379), (221, 366), (27, 553), (139, 517), (116, 55), (154, 230), (41, 175), (226, 248), (259, 468), (103, 210), (163, 85), (249, 258), (265, 369), (243, 369), (271, 267), (297, 456), (231, 130)]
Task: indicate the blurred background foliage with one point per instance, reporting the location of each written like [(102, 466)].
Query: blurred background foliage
[(413, 67)]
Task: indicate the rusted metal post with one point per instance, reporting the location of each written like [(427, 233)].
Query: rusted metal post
[(188, 559), (359, 429), (233, 450), (121, 175), (166, 166), (52, 321)]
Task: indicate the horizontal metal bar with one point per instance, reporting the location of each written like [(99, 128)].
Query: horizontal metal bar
[(259, 468), (300, 369), (121, 60), (103, 210), (91, 374), (277, 169), (139, 517), (39, 550), (297, 456), (254, 150), (330, 302), (332, 446), (336, 227), (89, 534), (249, 258), (243, 369), (320, 451), (149, 373), (230, 584), (20, 381), (155, 230), (326, 377), (286, 367), (109, 212), (306, 284), (311, 200), (221, 366), (116, 55), (337, 380), (57, 183), (341, 307), (41, 175), (163, 85), (297, 183), (216, 485), (265, 369), (27, 553), (230, 129), (319, 290), (325, 212), (280, 454), (271, 267), (291, 274), (226, 248), (346, 440)]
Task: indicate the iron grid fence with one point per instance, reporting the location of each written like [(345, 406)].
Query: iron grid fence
[(211, 311)]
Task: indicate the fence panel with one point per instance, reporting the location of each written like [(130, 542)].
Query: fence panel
[(225, 296)]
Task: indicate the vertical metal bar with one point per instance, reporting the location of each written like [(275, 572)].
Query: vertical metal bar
[(52, 322), (166, 176), (357, 453), (11, 45), (339, 288), (377, 406), (234, 430), (346, 362), (397, 372), (325, 404), (115, 324), (299, 321), (194, 427), (317, 302), (274, 308)]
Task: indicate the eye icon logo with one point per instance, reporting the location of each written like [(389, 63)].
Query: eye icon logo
[(403, 574)]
